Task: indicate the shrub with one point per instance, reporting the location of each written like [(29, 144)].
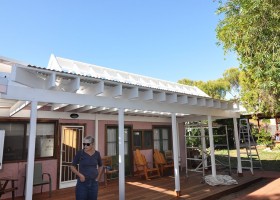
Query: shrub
[(263, 137)]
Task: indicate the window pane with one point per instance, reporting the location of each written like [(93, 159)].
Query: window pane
[(148, 138), (165, 134), (165, 145), (125, 148), (44, 146), (156, 134), (156, 139), (111, 149), (111, 135), (137, 139), (157, 145), (126, 134), (111, 141), (14, 141), (125, 141)]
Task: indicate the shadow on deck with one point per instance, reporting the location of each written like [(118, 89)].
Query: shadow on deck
[(159, 188)]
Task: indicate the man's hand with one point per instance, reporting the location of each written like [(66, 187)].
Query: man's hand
[(82, 178)]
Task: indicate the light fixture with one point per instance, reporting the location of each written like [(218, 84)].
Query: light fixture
[(74, 115)]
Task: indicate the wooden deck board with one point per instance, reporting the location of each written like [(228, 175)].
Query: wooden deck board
[(157, 189)]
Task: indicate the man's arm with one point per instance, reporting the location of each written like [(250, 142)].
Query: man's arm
[(75, 171)]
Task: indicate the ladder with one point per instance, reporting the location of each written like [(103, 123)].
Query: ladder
[(248, 147)]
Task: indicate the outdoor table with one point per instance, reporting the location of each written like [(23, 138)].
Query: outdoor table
[(3, 186)]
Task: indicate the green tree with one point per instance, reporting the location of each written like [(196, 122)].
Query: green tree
[(232, 76), (251, 28), (217, 89)]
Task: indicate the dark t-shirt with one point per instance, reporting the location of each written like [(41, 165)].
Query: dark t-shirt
[(88, 164)]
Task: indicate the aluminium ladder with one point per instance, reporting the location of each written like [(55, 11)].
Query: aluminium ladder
[(202, 163), (248, 147)]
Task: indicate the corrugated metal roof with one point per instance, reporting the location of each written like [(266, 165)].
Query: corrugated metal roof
[(94, 71)]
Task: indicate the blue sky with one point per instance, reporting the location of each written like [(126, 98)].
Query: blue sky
[(165, 39)]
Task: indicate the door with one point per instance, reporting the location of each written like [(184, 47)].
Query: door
[(71, 142), (112, 146)]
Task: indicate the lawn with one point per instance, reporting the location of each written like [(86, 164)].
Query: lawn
[(270, 159)]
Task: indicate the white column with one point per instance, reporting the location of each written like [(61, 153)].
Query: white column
[(96, 132), (175, 154), (31, 151), (212, 149), (186, 151), (121, 155), (203, 141), (178, 140), (237, 144), (179, 147)]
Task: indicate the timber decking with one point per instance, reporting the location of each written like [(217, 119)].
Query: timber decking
[(159, 188)]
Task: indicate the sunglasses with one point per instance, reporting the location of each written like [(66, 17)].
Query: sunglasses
[(86, 144)]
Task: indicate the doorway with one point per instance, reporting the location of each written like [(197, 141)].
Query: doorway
[(71, 142)]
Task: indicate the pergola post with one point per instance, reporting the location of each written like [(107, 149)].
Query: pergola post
[(121, 154), (31, 151), (96, 133), (237, 144), (203, 141), (175, 155), (212, 148)]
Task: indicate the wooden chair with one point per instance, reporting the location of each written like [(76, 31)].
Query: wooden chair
[(142, 167), (38, 178), (109, 169), (161, 162)]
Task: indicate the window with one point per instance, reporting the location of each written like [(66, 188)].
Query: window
[(44, 140), (112, 146), (17, 138), (112, 141), (142, 139), (162, 139)]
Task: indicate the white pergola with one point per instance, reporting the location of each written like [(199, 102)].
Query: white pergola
[(67, 86)]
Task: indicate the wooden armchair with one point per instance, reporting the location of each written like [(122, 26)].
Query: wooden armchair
[(161, 163), (109, 169), (38, 178), (142, 167)]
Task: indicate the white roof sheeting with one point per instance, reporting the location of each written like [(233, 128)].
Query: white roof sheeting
[(89, 70)]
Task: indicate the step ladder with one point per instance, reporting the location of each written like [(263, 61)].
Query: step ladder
[(248, 147)]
